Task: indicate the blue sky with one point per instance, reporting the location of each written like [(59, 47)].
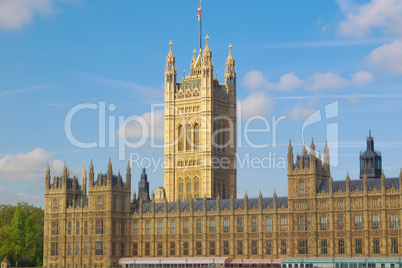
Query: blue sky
[(293, 58)]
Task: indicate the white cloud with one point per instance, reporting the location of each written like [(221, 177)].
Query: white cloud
[(377, 14), (362, 78), (7, 197), (14, 14), (148, 125), (256, 80), (28, 167), (387, 58), (328, 80), (288, 81), (318, 81), (256, 104), (301, 111)]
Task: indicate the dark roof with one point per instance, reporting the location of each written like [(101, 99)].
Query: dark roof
[(198, 205), (358, 184)]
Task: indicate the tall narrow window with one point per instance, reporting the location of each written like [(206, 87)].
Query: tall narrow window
[(226, 225), (147, 228), (324, 246), (85, 249), (358, 222), (198, 226), (254, 247), (212, 226), (268, 224), (147, 249), (376, 245), (196, 136), (239, 225), (283, 247), (85, 228), (341, 222), (198, 248), (303, 247), (77, 249), (358, 246), (185, 226), (394, 246), (135, 249), (159, 249), (394, 221), (188, 138), (376, 221), (185, 248), (324, 226), (180, 136), (172, 248), (212, 248), (268, 247), (302, 223), (77, 228), (254, 225), (301, 187), (341, 246), (69, 228), (239, 247), (123, 227), (160, 227), (55, 228), (226, 247), (99, 226), (135, 228), (54, 249), (172, 227), (283, 224)]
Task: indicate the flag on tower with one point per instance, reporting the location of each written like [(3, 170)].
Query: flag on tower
[(199, 12)]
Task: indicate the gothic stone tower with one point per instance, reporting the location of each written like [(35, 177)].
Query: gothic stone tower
[(370, 161), (200, 129)]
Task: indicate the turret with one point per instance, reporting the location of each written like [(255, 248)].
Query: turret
[(84, 181), (326, 158), (143, 186), (383, 190), (365, 183), (312, 153), (170, 72), (109, 173), (245, 201), (275, 201), (331, 187), (348, 184), (230, 72), (47, 177), (91, 175), (64, 177), (128, 177), (206, 65), (290, 156), (134, 196), (400, 182)]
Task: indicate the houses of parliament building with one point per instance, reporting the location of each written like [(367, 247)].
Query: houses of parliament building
[(99, 221)]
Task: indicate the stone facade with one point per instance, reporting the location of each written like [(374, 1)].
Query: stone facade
[(200, 129), (94, 226)]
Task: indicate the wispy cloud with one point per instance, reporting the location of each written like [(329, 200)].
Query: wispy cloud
[(344, 96), (331, 43), (21, 90), (7, 197)]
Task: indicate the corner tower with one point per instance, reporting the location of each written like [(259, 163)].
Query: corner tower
[(370, 161), (200, 129)]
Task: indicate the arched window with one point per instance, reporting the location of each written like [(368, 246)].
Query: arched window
[(188, 138), (196, 136), (181, 186), (188, 186), (180, 136), (301, 187), (196, 188)]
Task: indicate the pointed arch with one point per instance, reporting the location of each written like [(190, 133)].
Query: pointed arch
[(196, 138), (188, 137), (180, 137)]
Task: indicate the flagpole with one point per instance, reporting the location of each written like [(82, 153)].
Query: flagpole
[(200, 26)]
